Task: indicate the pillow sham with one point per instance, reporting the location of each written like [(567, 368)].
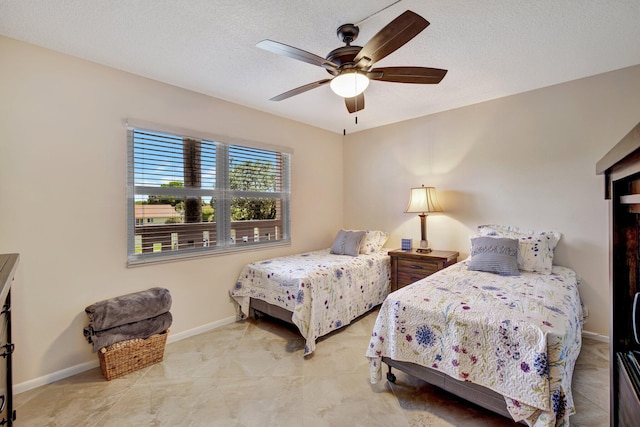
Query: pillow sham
[(494, 255), (535, 255), (535, 250), (347, 243), (373, 241), (553, 237)]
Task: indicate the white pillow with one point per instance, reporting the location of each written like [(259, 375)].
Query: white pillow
[(535, 248), (373, 241)]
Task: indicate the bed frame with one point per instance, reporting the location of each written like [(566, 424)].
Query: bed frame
[(259, 306), (473, 393)]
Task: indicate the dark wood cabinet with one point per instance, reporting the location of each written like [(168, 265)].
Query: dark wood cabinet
[(408, 266), (8, 265), (628, 401), (621, 167)]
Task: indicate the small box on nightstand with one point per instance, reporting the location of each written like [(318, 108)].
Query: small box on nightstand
[(407, 244)]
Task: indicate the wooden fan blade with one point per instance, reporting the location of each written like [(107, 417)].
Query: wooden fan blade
[(393, 36), (295, 53), (420, 75), (355, 104), (300, 90)]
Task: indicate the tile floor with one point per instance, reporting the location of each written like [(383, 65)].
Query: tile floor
[(253, 374)]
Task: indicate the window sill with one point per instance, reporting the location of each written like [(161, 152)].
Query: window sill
[(163, 258)]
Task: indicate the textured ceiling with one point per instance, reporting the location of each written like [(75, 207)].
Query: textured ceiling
[(492, 48)]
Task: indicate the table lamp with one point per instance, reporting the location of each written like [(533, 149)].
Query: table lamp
[(423, 200)]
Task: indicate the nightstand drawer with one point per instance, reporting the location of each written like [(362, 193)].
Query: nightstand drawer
[(410, 271), (420, 267), (407, 279)]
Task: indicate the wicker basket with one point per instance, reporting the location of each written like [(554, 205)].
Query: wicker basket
[(128, 356)]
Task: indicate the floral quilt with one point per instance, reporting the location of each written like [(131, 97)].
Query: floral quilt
[(323, 291), (519, 336)]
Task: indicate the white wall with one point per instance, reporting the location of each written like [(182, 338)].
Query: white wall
[(63, 198), (526, 160)]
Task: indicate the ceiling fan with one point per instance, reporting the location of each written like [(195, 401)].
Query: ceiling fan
[(351, 66)]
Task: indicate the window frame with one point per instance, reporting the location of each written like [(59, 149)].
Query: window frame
[(222, 193)]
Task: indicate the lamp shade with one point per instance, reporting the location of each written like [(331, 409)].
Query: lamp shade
[(349, 84), (423, 200)]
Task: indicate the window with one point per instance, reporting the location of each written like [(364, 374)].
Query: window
[(192, 196)]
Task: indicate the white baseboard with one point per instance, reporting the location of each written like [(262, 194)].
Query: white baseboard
[(200, 329), (595, 337), (54, 376), (76, 369)]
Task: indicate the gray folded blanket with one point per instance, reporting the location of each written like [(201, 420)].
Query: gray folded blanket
[(141, 329), (128, 308)]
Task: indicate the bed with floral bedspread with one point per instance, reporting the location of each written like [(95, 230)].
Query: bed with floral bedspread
[(323, 291), (519, 336)]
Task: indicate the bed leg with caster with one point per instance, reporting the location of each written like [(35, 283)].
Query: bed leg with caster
[(390, 376)]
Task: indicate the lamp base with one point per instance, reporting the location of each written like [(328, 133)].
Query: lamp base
[(423, 250)]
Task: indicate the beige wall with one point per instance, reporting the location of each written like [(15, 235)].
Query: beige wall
[(526, 160), (63, 190)]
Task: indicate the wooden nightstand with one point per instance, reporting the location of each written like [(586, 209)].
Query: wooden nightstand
[(410, 266)]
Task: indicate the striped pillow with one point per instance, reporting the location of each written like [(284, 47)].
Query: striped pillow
[(494, 255)]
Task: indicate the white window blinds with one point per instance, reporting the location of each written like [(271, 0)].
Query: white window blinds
[(191, 196)]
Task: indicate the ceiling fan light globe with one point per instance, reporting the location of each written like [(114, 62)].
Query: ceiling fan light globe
[(348, 85)]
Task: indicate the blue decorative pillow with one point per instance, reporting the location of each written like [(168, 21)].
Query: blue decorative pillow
[(347, 243), (494, 255)]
